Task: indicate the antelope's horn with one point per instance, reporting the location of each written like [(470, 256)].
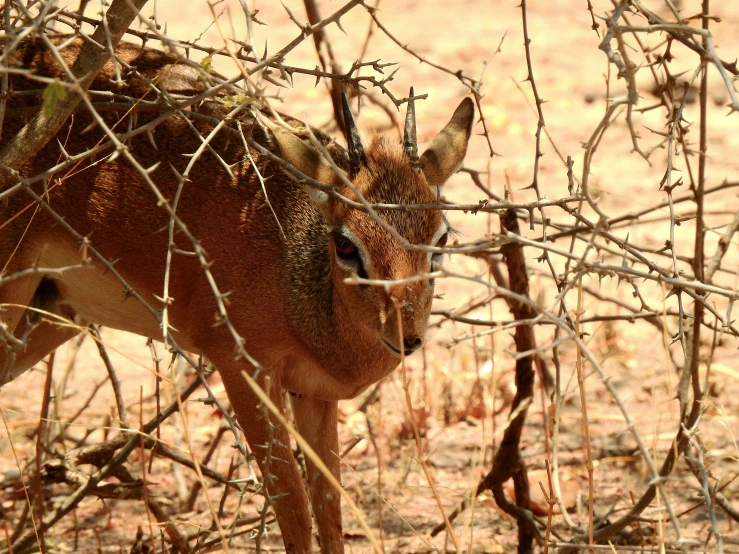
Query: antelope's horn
[(356, 152), (410, 142)]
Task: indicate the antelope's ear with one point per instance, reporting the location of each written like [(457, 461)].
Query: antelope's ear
[(446, 152), (307, 160)]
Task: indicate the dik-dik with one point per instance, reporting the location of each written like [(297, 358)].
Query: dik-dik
[(285, 256)]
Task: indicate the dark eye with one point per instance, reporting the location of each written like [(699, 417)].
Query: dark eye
[(442, 241), (348, 255), (344, 247)]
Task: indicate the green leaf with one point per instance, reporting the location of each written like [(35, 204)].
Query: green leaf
[(53, 92), (207, 64), (231, 101)]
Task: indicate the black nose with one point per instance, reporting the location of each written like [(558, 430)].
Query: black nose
[(412, 344)]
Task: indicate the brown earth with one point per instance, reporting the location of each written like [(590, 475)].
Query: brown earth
[(462, 378)]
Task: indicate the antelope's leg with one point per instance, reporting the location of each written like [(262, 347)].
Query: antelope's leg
[(40, 333), (280, 473), (317, 423), (15, 297), (43, 339)]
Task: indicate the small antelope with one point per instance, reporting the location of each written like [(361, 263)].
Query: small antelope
[(282, 249)]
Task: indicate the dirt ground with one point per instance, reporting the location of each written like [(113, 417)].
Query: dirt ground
[(462, 383)]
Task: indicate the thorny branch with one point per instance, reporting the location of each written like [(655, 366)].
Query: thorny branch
[(597, 249)]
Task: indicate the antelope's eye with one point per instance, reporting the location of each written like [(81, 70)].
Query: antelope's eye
[(442, 240), (348, 256), (344, 247)]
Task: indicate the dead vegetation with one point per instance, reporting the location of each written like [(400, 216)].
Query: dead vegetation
[(580, 387)]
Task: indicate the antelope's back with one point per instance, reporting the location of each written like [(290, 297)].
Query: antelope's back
[(88, 190), (96, 191)]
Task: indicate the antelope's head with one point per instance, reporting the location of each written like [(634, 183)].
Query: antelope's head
[(389, 247)]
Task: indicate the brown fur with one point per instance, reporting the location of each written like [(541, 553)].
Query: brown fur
[(317, 336)]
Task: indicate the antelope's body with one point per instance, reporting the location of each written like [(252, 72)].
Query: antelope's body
[(283, 256)]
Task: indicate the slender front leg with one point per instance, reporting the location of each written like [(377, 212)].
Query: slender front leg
[(317, 421), (280, 473)]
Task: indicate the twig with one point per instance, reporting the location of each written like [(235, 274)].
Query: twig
[(42, 129), (416, 435), (115, 382)]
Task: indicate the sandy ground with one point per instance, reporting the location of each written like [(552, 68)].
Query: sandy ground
[(571, 74)]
